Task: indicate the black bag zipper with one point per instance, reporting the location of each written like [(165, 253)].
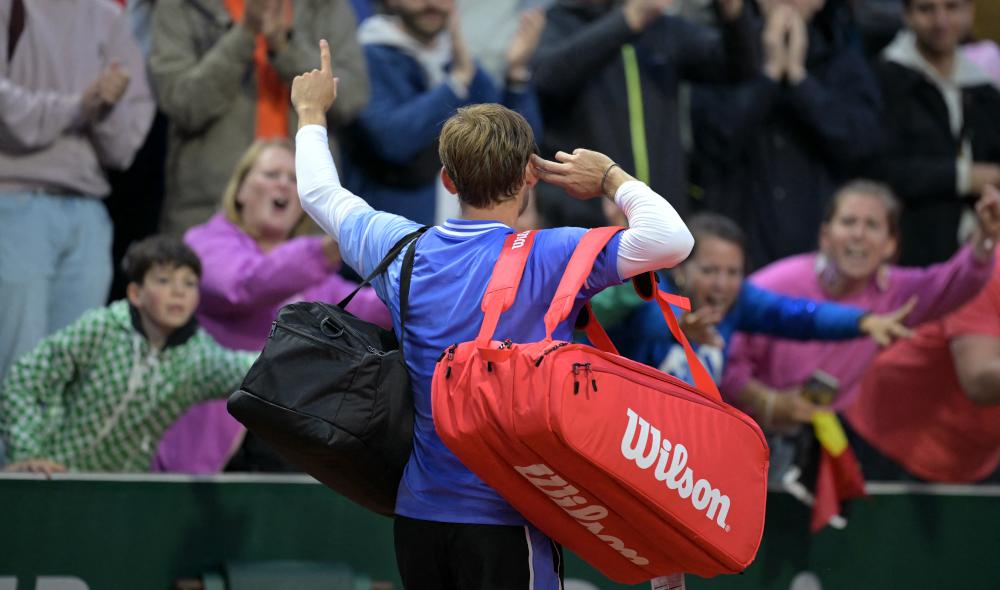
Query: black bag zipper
[(592, 382), (326, 343)]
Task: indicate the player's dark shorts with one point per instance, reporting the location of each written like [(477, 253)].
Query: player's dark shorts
[(452, 556)]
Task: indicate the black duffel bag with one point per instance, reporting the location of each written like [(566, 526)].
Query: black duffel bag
[(330, 393)]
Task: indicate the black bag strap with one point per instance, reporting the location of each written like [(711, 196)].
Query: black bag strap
[(393, 253), (404, 290)]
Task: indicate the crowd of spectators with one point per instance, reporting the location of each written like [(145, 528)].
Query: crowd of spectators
[(844, 152)]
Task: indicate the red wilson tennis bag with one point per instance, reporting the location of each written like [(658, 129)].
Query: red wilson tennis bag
[(635, 471)]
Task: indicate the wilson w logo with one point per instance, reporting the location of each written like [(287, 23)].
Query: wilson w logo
[(646, 445)]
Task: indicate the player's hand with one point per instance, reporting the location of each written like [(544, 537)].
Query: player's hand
[(313, 93), (581, 174)]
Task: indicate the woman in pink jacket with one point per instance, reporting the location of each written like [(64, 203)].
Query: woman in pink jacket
[(256, 259), (858, 239)]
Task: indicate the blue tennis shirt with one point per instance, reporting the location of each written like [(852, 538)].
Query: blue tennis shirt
[(452, 267)]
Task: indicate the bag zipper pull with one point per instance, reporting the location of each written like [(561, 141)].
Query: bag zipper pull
[(576, 373), (593, 378), (451, 357), (550, 350)]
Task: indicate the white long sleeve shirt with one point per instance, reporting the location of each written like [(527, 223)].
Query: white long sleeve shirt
[(656, 238)]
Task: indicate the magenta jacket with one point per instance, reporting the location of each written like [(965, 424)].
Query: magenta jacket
[(242, 289), (785, 364)]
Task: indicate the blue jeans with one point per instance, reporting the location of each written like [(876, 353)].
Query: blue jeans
[(55, 264)]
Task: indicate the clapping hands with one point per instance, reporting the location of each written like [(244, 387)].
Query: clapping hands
[(105, 91), (522, 46), (271, 19), (786, 41)]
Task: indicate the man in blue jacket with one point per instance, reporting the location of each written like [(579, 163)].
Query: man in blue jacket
[(420, 72)]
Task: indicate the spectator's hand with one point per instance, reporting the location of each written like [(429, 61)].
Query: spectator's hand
[(790, 408), (522, 46), (104, 92), (775, 42), (988, 213), (639, 14), (798, 45), (113, 83), (90, 101), (700, 326), (463, 67), (982, 175), (45, 466), (884, 328), (313, 93), (276, 24), (332, 251), (730, 9), (254, 15), (581, 173)]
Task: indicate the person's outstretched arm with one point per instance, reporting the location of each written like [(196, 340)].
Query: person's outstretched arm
[(320, 191)]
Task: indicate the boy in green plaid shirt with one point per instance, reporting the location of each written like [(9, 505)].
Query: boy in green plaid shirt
[(97, 395)]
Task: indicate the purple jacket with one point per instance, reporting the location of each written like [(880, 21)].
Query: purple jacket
[(785, 364), (242, 289)]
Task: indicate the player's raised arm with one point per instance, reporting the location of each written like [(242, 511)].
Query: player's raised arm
[(322, 196)]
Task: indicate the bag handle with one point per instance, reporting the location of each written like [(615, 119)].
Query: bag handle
[(386, 261), (587, 321), (502, 288), (577, 271), (703, 381)]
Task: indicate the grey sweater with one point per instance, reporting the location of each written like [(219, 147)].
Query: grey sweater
[(203, 71), (45, 142)]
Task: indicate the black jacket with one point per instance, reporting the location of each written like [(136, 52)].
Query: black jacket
[(580, 78), (770, 155), (921, 152)]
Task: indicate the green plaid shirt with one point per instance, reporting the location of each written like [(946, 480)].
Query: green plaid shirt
[(96, 396)]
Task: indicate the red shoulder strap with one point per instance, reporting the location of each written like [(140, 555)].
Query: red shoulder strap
[(577, 271), (648, 289), (596, 334), (502, 288)]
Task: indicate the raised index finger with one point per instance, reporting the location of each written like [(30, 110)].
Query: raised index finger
[(324, 57)]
